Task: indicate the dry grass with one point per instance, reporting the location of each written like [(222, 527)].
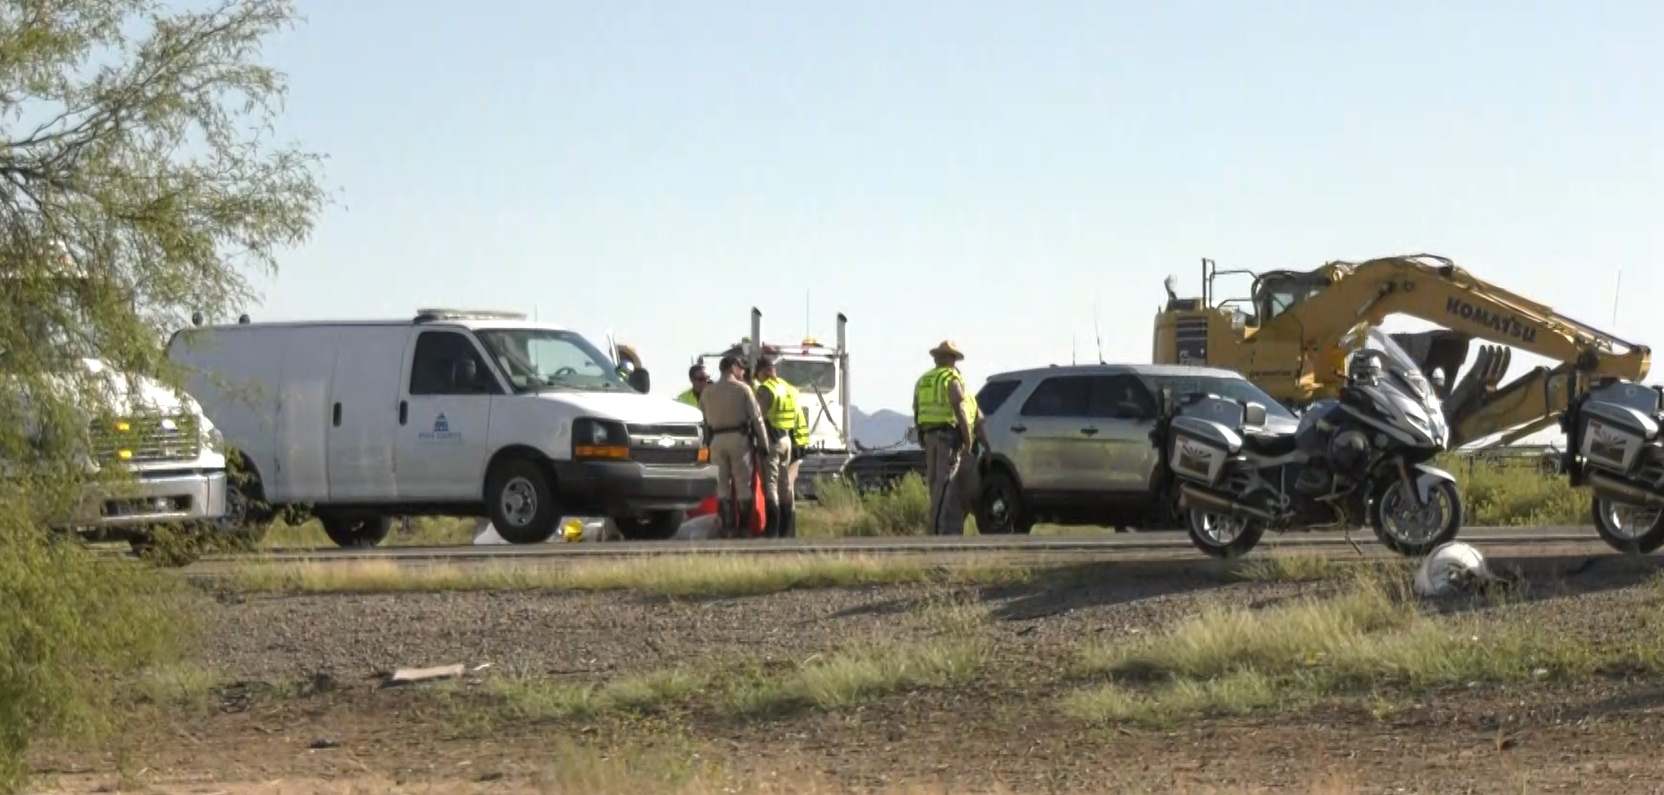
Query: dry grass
[(854, 672), (859, 673), (703, 575), (1516, 495), (1368, 637)]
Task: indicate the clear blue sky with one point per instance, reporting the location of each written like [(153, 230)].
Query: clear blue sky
[(975, 170)]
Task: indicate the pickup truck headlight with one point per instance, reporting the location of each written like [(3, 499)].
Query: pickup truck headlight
[(600, 439), (214, 440)]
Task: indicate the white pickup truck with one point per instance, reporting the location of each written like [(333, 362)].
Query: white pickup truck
[(174, 455)]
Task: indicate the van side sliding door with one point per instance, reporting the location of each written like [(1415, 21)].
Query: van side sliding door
[(301, 471), (444, 417), (363, 435)]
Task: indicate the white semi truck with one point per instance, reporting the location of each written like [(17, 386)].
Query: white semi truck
[(821, 375)]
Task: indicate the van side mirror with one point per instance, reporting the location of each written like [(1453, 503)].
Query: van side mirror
[(1128, 410), (1253, 414)]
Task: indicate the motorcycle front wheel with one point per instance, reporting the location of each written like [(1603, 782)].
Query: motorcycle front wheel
[(1221, 535), (1405, 526), (1631, 529)]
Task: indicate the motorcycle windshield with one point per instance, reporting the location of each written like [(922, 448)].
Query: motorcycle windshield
[(1402, 369)]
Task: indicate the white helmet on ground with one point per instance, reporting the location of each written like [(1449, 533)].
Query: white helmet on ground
[(1453, 567)]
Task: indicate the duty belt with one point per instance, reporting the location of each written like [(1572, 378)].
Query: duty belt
[(735, 429)]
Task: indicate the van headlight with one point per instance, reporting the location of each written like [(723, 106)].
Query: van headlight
[(599, 439)]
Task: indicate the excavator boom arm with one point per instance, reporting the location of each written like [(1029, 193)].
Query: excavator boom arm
[(1454, 298)]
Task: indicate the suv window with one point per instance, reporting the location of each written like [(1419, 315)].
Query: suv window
[(1059, 396), (1233, 388), (994, 394), (1120, 397), (447, 363)]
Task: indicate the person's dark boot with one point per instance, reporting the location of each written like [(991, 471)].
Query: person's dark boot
[(725, 518), (788, 521), (742, 518), (771, 520)]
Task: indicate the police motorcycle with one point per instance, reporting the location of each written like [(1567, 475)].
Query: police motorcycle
[(1361, 458), (1613, 447)]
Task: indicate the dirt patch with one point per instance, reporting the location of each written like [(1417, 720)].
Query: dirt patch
[(326, 724)]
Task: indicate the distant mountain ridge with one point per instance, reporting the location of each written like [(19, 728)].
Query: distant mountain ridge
[(882, 428)]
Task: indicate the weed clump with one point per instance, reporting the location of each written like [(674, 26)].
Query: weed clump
[(71, 625)]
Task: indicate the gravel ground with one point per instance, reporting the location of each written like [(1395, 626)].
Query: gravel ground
[(281, 638), (1002, 729)]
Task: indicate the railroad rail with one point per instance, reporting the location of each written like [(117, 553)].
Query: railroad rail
[(886, 546)]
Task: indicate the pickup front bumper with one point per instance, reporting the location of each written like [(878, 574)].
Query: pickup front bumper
[(181, 496)]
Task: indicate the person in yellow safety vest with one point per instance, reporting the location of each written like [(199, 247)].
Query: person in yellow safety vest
[(941, 417), (698, 378), (779, 401)]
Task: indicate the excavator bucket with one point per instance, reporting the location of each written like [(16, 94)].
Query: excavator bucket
[(1437, 350), (1477, 386)]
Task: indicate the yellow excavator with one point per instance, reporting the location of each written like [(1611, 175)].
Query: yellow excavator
[(1286, 337)]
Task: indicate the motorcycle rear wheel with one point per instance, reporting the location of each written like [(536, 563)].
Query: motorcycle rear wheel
[(1396, 498), (1222, 536), (1627, 528)]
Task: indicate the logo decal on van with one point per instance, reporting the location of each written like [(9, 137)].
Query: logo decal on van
[(441, 431)]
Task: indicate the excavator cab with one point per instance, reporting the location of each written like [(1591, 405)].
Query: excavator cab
[(1276, 292)]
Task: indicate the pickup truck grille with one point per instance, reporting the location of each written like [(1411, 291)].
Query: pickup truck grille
[(665, 445), (142, 439)]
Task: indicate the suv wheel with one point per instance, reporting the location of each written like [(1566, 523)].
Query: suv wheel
[(1000, 509)]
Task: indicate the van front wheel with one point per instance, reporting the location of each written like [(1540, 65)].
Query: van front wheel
[(522, 502)]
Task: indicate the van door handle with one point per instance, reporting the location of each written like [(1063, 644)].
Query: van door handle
[(1018, 428), (404, 411), (1089, 431), (337, 413)]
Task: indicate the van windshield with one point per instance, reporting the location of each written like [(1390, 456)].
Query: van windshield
[(536, 360)]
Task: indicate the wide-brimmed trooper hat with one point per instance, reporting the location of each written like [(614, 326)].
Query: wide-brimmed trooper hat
[(947, 349)]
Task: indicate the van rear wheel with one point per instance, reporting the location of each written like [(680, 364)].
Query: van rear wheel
[(355, 530), (521, 501)]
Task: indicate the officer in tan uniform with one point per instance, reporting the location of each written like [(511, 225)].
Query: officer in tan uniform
[(941, 418), (737, 433)]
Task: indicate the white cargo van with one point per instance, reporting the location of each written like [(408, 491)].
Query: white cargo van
[(452, 412)]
